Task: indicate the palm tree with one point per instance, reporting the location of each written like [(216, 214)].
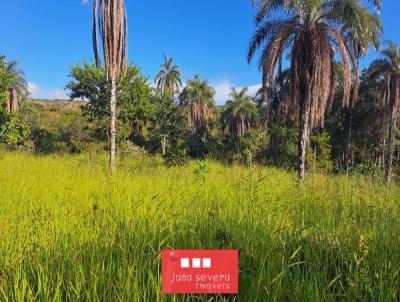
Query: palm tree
[(198, 98), (276, 105), (110, 20), (168, 79), (18, 89), (240, 113), (388, 67), (359, 35), (307, 31)]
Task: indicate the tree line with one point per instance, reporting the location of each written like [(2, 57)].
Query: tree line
[(321, 111)]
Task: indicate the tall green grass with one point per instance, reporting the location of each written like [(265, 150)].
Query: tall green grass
[(70, 232)]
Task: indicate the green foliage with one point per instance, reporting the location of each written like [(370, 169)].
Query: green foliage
[(47, 141), (177, 156), (239, 114), (167, 123), (12, 130), (200, 170), (90, 83), (168, 79), (6, 80), (368, 128), (375, 172), (197, 100), (319, 155), (60, 127), (282, 146), (136, 100), (15, 79), (152, 122), (249, 146)]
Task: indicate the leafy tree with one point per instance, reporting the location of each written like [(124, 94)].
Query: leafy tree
[(359, 35), (282, 145), (167, 124), (388, 67), (89, 82), (368, 122), (367, 127), (136, 100), (308, 30), (168, 79)]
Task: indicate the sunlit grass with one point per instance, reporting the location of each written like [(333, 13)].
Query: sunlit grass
[(70, 232)]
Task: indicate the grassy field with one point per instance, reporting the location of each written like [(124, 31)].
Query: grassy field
[(70, 232)]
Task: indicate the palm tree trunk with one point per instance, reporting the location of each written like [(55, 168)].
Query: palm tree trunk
[(164, 145), (303, 141), (113, 131), (382, 155), (353, 101), (12, 101), (389, 164), (349, 116)]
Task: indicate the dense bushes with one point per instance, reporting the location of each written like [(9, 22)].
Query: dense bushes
[(12, 130), (65, 127)]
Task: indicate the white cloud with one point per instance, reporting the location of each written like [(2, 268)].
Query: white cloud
[(37, 92), (254, 89), (223, 89), (34, 90)]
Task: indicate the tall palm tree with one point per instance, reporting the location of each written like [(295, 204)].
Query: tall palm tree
[(19, 85), (276, 105), (198, 98), (110, 23), (307, 30), (240, 113), (18, 88), (168, 79), (359, 35), (388, 67)]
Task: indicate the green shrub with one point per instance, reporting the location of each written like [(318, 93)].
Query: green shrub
[(319, 153), (282, 146), (12, 130)]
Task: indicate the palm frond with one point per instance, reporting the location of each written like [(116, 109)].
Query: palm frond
[(113, 29)]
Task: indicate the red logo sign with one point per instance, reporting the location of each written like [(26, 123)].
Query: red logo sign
[(200, 272)]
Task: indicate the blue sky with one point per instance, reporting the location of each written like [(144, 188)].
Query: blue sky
[(207, 37)]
